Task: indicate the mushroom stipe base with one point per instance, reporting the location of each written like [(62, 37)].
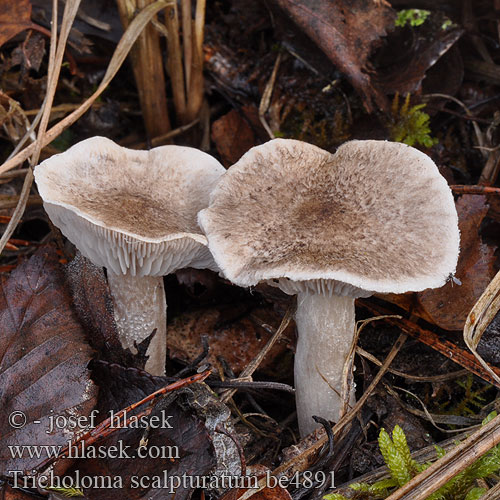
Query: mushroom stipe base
[(140, 306), (326, 327)]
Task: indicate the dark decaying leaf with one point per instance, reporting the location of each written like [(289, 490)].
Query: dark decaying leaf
[(43, 358), (9, 493), (489, 345), (30, 54), (15, 16), (347, 32), (409, 54), (144, 478), (449, 305), (94, 306)]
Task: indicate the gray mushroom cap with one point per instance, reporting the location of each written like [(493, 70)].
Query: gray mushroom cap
[(376, 216), (131, 211)]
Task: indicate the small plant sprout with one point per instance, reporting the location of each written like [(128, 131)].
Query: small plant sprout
[(134, 213), (375, 217), (410, 124), (413, 17)]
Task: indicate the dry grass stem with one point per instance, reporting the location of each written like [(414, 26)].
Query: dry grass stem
[(492, 494), (477, 130), (414, 378), (162, 139), (434, 419), (119, 56), (195, 88), (7, 202), (175, 69), (266, 97), (349, 362), (481, 315), (147, 63), (56, 54), (187, 39)]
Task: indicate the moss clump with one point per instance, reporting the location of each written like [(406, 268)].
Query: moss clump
[(410, 124), (402, 468)]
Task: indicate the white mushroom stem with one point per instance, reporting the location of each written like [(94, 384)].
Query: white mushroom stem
[(140, 306), (325, 326)]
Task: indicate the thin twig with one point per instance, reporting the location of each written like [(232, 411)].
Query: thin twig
[(413, 378), (477, 189), (265, 101), (477, 130), (254, 364)]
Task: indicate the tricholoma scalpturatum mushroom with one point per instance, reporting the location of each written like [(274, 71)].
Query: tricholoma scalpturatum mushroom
[(376, 216), (134, 213)]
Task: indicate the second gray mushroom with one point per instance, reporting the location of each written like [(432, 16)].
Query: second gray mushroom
[(376, 216), (134, 213)]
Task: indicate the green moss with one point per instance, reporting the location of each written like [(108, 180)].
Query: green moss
[(410, 124), (413, 17), (402, 468)]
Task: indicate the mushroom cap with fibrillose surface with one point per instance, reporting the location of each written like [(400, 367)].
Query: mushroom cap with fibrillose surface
[(131, 211), (375, 216)]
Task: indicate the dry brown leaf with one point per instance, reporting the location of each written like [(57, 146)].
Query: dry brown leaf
[(43, 359), (347, 32), (234, 133), (15, 16), (449, 305)]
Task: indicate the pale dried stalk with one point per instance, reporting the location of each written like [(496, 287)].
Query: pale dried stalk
[(195, 88), (119, 56), (265, 101), (454, 462), (12, 201), (147, 64), (187, 39), (491, 168), (414, 378), (477, 130), (481, 315), (175, 68), (492, 494)]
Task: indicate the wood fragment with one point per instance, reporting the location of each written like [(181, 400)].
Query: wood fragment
[(474, 189)]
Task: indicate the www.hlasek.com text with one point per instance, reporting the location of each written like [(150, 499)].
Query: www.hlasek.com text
[(83, 450)]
